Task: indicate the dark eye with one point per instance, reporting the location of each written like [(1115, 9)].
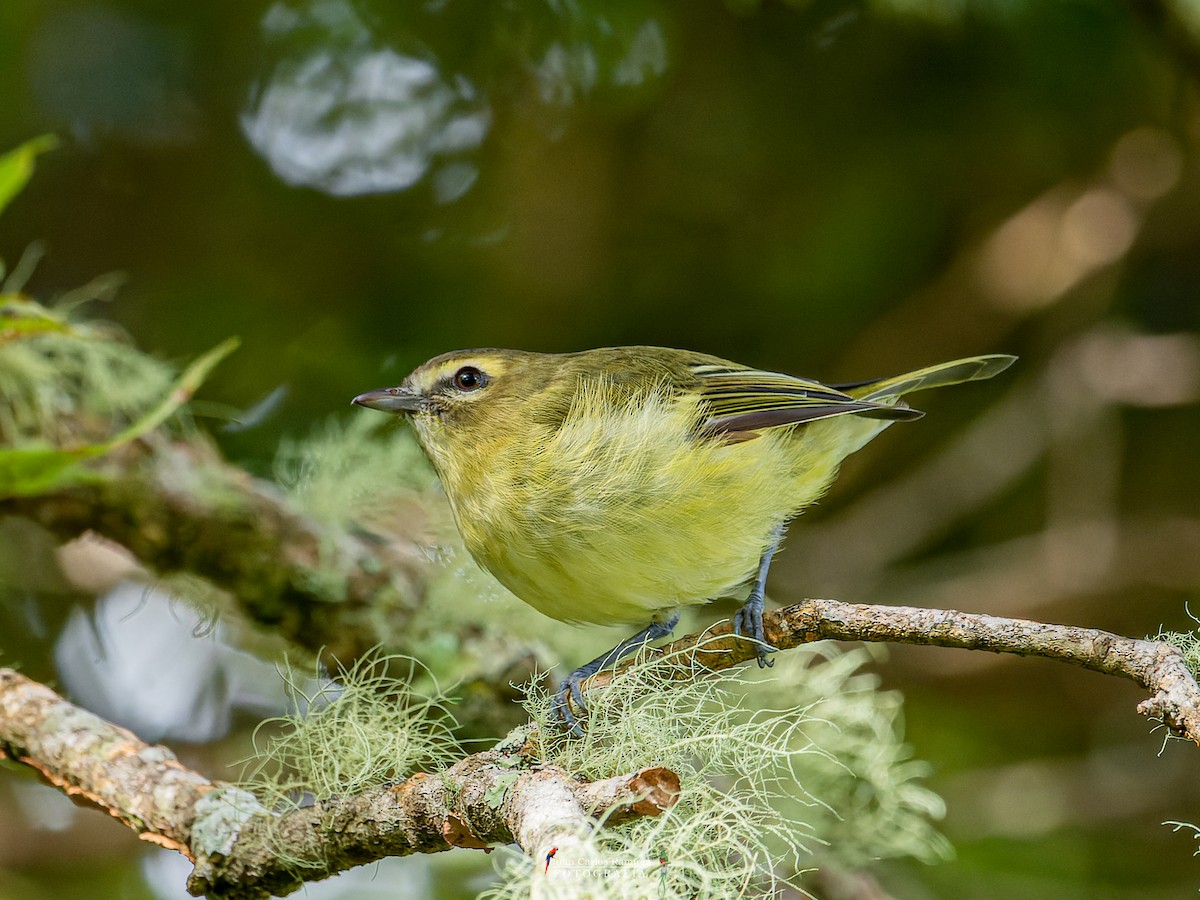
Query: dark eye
[(468, 378)]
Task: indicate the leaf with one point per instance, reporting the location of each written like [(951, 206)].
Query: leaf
[(16, 166), (182, 391), (21, 318), (34, 469), (31, 470)]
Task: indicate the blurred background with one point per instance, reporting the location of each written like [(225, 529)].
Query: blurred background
[(835, 189)]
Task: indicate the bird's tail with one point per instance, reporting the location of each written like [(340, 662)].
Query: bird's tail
[(973, 368)]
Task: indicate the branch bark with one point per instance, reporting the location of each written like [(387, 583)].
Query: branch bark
[(242, 850), (499, 796), (1154, 665)]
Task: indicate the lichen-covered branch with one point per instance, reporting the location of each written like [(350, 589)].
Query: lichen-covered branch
[(242, 850), (180, 508), (488, 798), (1157, 666), (96, 762)]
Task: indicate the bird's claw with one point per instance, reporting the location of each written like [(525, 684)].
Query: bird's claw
[(748, 623), (560, 707)]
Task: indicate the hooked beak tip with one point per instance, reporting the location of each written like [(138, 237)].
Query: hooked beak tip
[(393, 400)]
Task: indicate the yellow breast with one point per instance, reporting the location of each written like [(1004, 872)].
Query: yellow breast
[(622, 513)]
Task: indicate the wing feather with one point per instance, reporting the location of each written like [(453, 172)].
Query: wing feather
[(740, 402)]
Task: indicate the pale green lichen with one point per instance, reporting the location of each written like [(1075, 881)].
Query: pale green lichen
[(873, 802), (808, 760), (220, 815), (372, 726), (362, 475), (363, 470), (1188, 644), (66, 382)]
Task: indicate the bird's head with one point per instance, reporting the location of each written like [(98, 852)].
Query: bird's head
[(463, 401)]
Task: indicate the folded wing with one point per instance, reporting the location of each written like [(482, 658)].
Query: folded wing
[(738, 403), (741, 402)]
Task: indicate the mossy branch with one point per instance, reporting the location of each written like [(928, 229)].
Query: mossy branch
[(506, 794), (241, 849), (1158, 666), (178, 507)]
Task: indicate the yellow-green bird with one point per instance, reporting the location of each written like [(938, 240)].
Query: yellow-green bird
[(618, 485)]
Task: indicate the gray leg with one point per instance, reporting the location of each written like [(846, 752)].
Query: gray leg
[(561, 710), (747, 621)]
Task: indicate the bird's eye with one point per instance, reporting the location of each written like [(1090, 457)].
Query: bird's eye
[(468, 378)]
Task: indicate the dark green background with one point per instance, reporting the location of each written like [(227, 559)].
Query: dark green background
[(807, 186)]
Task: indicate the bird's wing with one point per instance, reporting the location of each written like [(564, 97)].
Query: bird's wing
[(737, 403), (973, 368)]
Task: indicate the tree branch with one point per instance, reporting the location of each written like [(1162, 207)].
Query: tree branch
[(1156, 666), (97, 763), (180, 508), (242, 850)]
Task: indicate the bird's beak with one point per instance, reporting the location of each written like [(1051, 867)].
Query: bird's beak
[(393, 400)]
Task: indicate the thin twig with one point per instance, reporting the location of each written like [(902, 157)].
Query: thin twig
[(1157, 666)]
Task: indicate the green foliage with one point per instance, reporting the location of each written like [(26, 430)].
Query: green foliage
[(46, 368), (16, 166), (73, 391), (67, 382), (764, 788)]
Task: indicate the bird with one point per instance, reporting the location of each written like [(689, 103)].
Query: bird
[(618, 485)]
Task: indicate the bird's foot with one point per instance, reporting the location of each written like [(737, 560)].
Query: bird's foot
[(748, 623), (569, 692)]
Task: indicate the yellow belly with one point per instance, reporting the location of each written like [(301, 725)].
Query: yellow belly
[(620, 518)]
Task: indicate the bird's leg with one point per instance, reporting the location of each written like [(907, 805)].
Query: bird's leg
[(748, 621), (561, 709)]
